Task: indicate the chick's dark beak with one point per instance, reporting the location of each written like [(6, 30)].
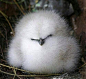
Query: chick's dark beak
[(41, 41)]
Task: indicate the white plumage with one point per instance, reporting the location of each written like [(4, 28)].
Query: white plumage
[(42, 44)]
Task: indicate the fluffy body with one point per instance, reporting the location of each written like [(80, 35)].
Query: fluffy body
[(59, 53)]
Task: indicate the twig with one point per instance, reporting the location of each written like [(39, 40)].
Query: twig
[(5, 34), (24, 71), (8, 2), (19, 7), (29, 75), (7, 21), (28, 72), (14, 68), (14, 73), (82, 65), (2, 34)]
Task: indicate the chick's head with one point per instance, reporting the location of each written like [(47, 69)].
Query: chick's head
[(42, 24)]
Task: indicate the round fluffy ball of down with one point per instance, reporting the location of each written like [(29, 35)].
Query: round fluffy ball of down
[(42, 44)]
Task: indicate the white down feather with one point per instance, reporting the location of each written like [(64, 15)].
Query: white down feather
[(60, 52)]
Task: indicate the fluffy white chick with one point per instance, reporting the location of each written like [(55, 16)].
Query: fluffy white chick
[(42, 44)]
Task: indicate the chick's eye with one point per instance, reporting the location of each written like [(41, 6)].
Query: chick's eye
[(49, 36), (34, 39)]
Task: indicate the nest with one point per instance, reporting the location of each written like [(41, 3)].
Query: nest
[(8, 18)]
